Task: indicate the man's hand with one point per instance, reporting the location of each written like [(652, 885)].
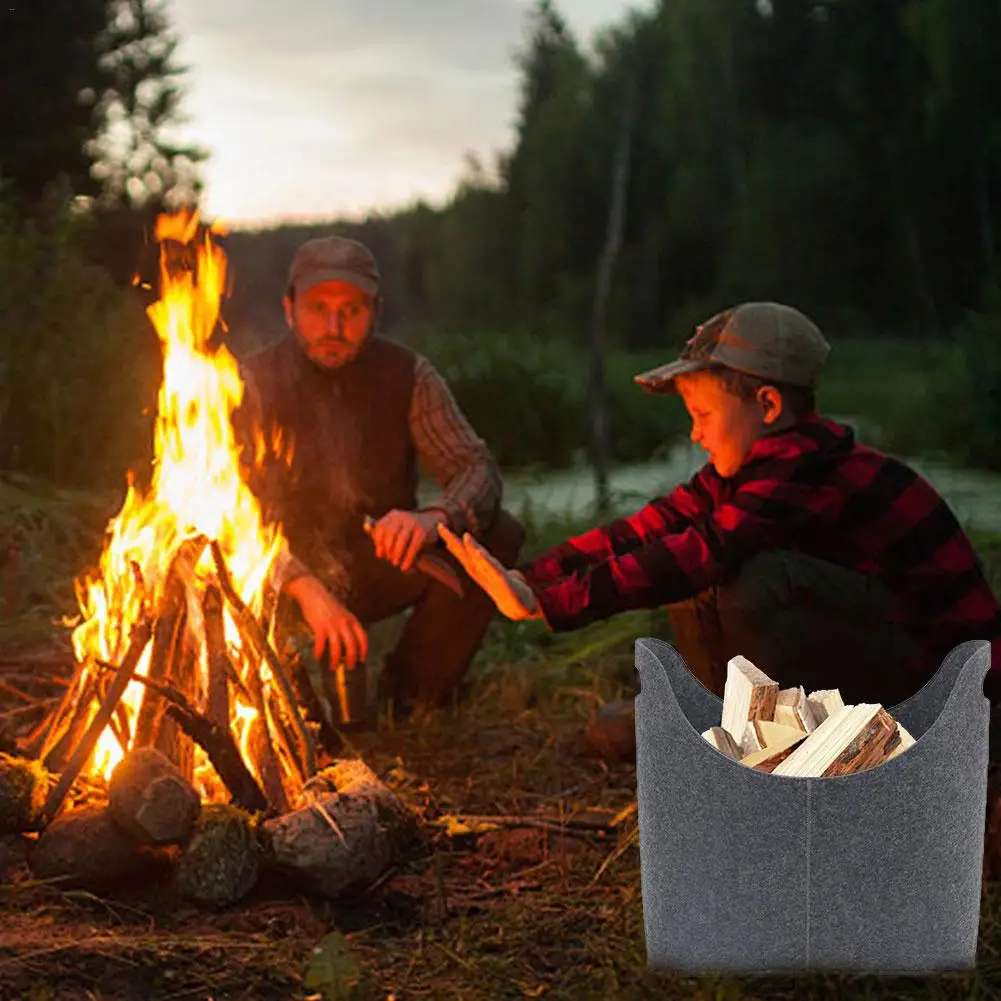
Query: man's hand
[(507, 588), (334, 627), (399, 536)]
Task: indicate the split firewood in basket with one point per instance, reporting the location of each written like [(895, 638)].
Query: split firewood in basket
[(792, 708), (851, 739), (748, 694)]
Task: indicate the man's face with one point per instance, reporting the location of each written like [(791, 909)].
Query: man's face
[(332, 321), (722, 423)]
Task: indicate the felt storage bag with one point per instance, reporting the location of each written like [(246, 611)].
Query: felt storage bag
[(748, 872)]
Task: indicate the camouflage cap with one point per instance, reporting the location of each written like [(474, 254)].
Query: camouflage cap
[(765, 339), (334, 258)]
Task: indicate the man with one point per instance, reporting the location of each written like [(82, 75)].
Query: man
[(827, 563), (359, 412)]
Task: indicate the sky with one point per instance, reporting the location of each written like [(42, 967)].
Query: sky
[(333, 108)]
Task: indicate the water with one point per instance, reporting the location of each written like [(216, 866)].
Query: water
[(974, 497)]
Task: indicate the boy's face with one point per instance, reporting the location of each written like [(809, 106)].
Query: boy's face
[(722, 423)]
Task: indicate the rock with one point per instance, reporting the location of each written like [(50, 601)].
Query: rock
[(304, 844), (88, 848), (24, 785), (220, 864), (151, 800), (352, 777), (611, 731)]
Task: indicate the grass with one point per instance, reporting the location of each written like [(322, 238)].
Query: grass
[(507, 913)]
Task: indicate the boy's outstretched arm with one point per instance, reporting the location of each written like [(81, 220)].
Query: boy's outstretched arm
[(662, 516)]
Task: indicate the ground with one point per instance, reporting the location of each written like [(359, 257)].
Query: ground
[(515, 912)]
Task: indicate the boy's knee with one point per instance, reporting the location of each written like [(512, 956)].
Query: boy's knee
[(762, 583)]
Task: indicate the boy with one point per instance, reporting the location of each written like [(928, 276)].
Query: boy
[(827, 563)]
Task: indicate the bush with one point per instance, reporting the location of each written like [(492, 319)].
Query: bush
[(528, 399), (79, 361)]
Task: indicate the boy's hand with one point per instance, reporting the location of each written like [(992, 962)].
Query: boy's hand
[(399, 536), (507, 588), (334, 627)]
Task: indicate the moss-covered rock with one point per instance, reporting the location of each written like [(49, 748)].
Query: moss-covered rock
[(221, 862), (24, 785)]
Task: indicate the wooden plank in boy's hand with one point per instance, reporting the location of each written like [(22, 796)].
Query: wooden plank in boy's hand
[(748, 694)]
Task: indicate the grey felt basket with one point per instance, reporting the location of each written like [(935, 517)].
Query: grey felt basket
[(747, 872)]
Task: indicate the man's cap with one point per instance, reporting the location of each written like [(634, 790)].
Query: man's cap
[(764, 339), (334, 258)]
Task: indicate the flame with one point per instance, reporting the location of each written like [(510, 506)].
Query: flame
[(196, 489)]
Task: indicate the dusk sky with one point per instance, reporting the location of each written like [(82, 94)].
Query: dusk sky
[(322, 108)]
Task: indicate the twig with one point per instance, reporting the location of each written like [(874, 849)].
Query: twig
[(216, 659), (251, 629), (568, 826), (216, 741), (137, 643)]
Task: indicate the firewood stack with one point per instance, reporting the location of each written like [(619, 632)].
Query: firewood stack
[(789, 732)]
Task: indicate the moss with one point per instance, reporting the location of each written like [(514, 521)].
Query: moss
[(221, 862), (23, 787)]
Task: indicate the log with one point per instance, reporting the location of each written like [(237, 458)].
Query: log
[(850, 740), (723, 742), (792, 708), (137, 643), (23, 785), (250, 629), (221, 863), (216, 658), (348, 835), (762, 733), (151, 800), (86, 849), (747, 694), (219, 746), (168, 636)]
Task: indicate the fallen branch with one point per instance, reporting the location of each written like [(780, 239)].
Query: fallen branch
[(137, 643), (571, 827), (251, 630)]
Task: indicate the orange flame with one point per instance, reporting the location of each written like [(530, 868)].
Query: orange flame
[(197, 489)]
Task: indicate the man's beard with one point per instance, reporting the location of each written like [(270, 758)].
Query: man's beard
[(344, 354)]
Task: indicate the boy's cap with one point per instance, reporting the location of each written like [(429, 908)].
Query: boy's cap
[(765, 339), (334, 258)]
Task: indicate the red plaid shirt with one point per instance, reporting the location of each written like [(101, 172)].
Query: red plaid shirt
[(809, 489)]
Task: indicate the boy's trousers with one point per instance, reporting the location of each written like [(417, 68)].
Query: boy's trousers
[(803, 622)]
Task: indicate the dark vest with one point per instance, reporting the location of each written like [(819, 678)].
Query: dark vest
[(353, 454)]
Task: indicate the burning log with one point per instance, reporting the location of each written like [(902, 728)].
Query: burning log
[(254, 636), (218, 744), (216, 658), (221, 863), (137, 643), (150, 799)]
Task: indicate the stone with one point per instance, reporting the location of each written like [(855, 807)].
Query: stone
[(24, 785), (611, 731), (151, 800), (220, 864)]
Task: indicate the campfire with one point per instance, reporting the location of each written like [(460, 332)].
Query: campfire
[(178, 694)]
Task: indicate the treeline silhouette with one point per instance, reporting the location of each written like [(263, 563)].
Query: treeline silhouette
[(840, 155)]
